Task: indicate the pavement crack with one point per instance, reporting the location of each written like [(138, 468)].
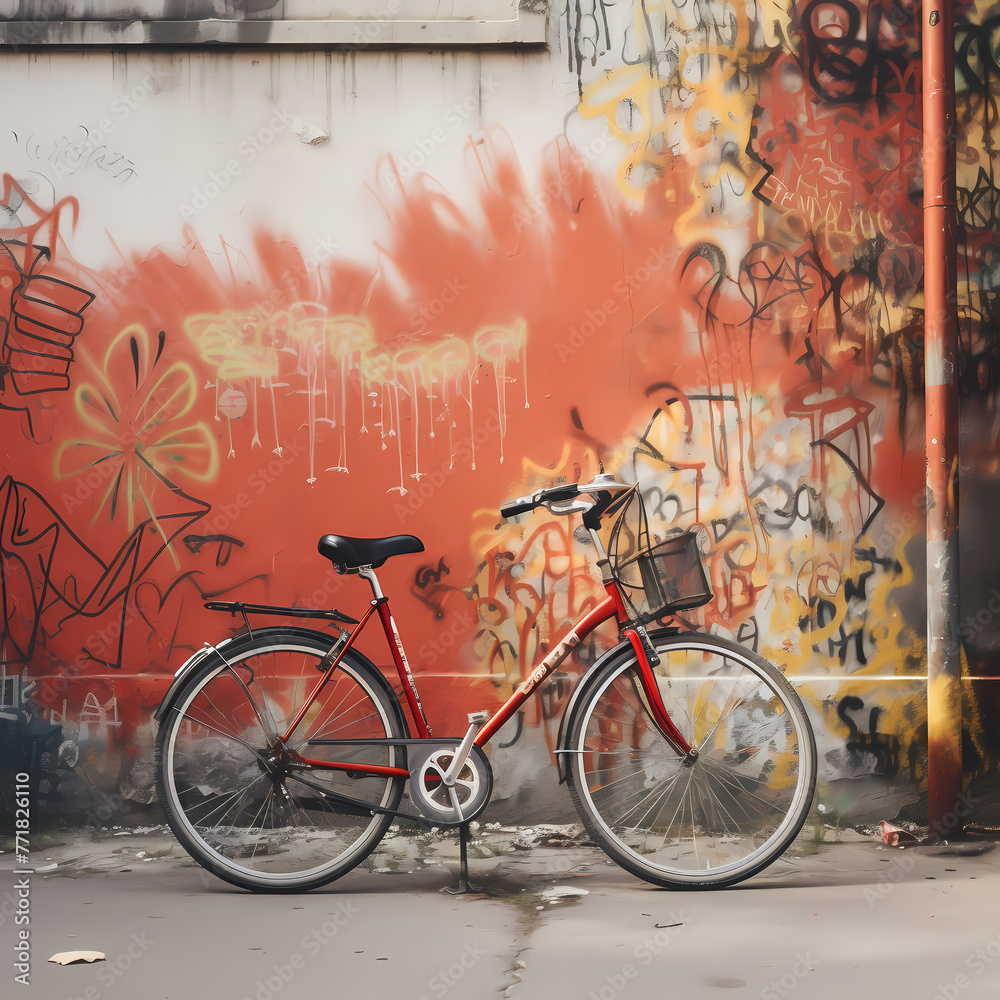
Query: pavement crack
[(528, 921)]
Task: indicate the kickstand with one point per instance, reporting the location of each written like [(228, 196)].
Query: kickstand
[(463, 886)]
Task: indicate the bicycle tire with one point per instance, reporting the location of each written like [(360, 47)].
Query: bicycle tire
[(717, 820), (258, 819)]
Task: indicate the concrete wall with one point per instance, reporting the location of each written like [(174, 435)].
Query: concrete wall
[(282, 292)]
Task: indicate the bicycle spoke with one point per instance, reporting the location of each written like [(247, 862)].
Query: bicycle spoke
[(246, 811), (736, 802), (326, 811), (720, 814), (722, 774), (218, 711), (668, 786), (694, 825), (613, 719), (644, 792), (222, 732), (712, 809), (273, 732), (260, 809), (723, 717), (615, 781), (318, 729), (711, 818), (239, 793), (680, 804), (323, 734)]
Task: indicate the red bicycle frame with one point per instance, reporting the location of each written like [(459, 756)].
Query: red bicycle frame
[(611, 607)]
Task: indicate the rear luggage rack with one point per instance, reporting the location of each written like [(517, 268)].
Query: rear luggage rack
[(239, 608)]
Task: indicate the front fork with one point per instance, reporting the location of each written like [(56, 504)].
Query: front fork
[(645, 656), (646, 659)]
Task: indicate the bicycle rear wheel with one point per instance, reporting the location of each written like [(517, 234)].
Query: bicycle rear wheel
[(704, 822), (241, 802)]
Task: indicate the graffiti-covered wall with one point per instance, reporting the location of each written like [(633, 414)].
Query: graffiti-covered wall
[(253, 295)]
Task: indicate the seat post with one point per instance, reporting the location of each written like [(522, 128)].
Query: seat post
[(369, 574)]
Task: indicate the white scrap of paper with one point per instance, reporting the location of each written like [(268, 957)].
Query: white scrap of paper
[(558, 892), (73, 957)]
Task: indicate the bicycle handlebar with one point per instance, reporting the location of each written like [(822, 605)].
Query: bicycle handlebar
[(604, 483), (523, 504)]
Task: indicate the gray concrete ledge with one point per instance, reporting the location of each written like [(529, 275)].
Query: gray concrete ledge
[(528, 29)]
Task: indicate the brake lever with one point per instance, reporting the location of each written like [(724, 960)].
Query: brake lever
[(568, 506)]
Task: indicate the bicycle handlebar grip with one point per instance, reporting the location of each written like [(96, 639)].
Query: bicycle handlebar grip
[(566, 492), (523, 504), (515, 507)]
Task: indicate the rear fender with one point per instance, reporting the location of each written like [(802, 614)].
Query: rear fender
[(233, 645)]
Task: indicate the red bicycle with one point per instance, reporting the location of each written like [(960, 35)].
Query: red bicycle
[(283, 754)]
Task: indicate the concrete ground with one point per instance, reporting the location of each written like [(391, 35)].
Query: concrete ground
[(853, 918)]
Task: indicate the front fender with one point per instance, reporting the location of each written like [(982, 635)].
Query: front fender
[(234, 644), (623, 649)]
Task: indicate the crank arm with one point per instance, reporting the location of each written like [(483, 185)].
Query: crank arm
[(476, 721)]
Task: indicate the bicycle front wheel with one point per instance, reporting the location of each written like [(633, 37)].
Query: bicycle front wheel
[(708, 820), (241, 800)]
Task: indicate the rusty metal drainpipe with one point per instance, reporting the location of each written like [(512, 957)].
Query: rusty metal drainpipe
[(944, 667)]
